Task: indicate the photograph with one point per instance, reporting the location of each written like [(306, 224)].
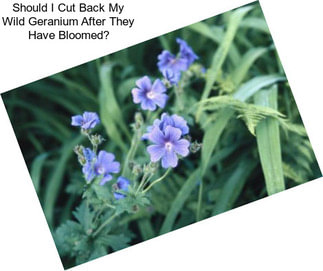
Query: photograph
[(161, 135)]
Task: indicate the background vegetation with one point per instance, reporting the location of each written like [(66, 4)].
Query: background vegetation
[(247, 152)]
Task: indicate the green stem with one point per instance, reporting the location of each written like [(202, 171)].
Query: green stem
[(143, 179), (132, 151), (199, 202), (104, 224), (178, 93), (158, 180)]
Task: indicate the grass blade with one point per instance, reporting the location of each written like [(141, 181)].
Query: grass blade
[(179, 201), (233, 186), (246, 62), (268, 141), (212, 135), (146, 229), (110, 112), (252, 86), (214, 131), (255, 23), (221, 53), (56, 179), (36, 169)]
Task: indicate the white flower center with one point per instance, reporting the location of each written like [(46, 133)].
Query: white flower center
[(168, 146), (150, 95), (100, 170)]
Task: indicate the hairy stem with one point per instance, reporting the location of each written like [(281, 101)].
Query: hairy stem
[(104, 224)]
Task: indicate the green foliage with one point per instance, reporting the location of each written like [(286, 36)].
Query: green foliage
[(268, 141), (241, 110)]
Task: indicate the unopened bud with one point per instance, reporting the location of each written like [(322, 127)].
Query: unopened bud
[(96, 139), (136, 170), (195, 147), (78, 149), (139, 120)]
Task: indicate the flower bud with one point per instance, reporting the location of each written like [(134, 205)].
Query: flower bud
[(81, 160), (136, 170), (166, 83), (195, 147), (139, 120), (78, 149), (96, 139)]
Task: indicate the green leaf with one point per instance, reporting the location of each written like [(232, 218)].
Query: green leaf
[(233, 186), (67, 236), (124, 89), (214, 131), (213, 33), (55, 181), (146, 229), (250, 113), (179, 201), (268, 141), (212, 135), (117, 242), (110, 112), (216, 34), (249, 88), (84, 215), (246, 62), (36, 169), (255, 23), (221, 53)]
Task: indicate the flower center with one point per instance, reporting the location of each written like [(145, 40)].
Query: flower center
[(100, 170), (168, 146), (150, 94)]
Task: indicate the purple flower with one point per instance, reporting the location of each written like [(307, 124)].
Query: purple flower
[(176, 64), (167, 61), (166, 120), (122, 184), (167, 146), (172, 76), (89, 155), (87, 121), (186, 52), (88, 169), (88, 172), (149, 95), (105, 165)]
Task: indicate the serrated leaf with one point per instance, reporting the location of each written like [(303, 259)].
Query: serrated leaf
[(84, 216)]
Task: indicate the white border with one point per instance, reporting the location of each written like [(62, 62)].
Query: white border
[(282, 232)]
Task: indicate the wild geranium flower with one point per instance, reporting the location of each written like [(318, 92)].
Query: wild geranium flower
[(168, 61), (122, 184), (168, 145), (149, 95), (166, 120), (105, 165), (87, 121), (172, 76), (179, 63), (88, 169), (89, 155), (186, 52)]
